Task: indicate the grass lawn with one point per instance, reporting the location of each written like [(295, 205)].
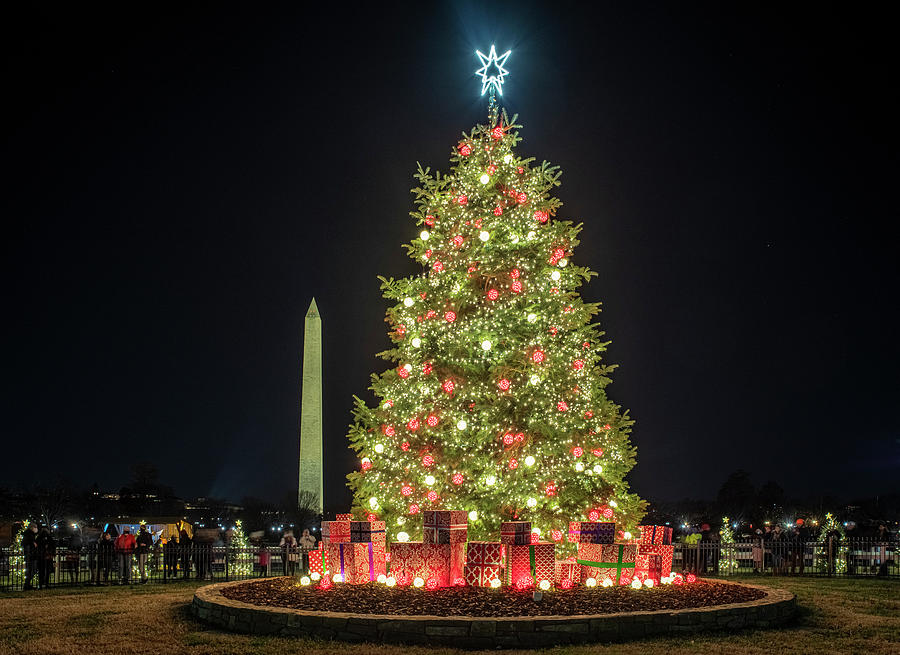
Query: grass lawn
[(836, 616)]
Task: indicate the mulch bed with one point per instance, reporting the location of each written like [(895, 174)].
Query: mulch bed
[(477, 601)]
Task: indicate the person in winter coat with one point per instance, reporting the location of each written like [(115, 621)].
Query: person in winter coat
[(46, 548), (289, 554), (143, 544), (307, 543), (170, 556), (29, 552), (105, 550), (184, 546), (263, 554), (125, 544)]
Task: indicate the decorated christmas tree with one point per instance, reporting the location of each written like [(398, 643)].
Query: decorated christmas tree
[(728, 561), (241, 555), (495, 401)]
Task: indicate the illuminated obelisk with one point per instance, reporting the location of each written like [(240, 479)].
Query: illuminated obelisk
[(311, 411)]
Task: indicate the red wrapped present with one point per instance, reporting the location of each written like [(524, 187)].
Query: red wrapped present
[(534, 562), (365, 531), (344, 517), (414, 559), (614, 562), (566, 569), (336, 532), (357, 563), (484, 562), (445, 526), (318, 560), (657, 556), (655, 534), (457, 561), (515, 532), (591, 532)]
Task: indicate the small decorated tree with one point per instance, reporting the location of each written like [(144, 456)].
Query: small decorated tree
[(728, 561), (241, 555), (838, 545)]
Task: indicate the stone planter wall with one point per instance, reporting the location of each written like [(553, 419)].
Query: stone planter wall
[(210, 606)]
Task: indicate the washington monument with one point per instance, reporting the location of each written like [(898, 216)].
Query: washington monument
[(310, 483)]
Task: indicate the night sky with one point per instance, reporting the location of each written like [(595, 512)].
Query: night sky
[(178, 184)]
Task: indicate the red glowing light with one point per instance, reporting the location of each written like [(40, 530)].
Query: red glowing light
[(427, 461), (465, 149), (608, 513), (491, 169), (589, 414), (459, 582), (578, 364), (438, 267), (432, 495), (428, 253), (597, 452), (520, 437), (553, 329), (585, 345), (450, 317), (541, 216), (447, 386), (593, 515), (427, 368), (413, 509), (457, 478), (578, 451), (493, 294), (366, 465), (522, 197), (691, 578), (430, 313), (413, 424), (537, 356), (406, 490), (514, 463), (389, 402), (550, 489), (503, 384), (565, 583), (556, 535), (462, 200), (523, 584), (404, 446), (472, 268), (371, 517), (432, 584), (402, 372), (432, 420), (325, 584), (458, 240), (535, 538), (498, 210), (389, 430), (516, 286), (497, 132), (508, 439), (403, 579), (562, 406), (429, 221), (520, 170), (514, 274)]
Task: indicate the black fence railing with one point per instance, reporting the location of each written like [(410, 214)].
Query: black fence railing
[(93, 565)]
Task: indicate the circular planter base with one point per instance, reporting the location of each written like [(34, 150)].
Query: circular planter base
[(210, 606)]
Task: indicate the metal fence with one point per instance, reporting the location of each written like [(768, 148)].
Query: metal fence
[(92, 565)]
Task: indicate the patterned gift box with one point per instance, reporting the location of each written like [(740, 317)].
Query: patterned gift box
[(478, 575), (336, 532), (614, 562), (484, 562), (414, 559), (534, 562), (366, 531), (591, 532), (318, 560), (517, 533), (566, 569), (457, 561), (344, 517), (655, 534), (445, 526), (655, 556), (357, 563)]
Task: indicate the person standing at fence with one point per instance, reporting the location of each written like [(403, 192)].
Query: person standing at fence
[(104, 557), (757, 551), (184, 545), (143, 544), (46, 548), (307, 543), (170, 556), (883, 540), (30, 554), (801, 537), (124, 549), (73, 558), (263, 555), (289, 553), (778, 547)]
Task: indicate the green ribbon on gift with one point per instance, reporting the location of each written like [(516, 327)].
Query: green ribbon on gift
[(611, 565), (532, 563)]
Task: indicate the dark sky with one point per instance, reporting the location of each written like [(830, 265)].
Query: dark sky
[(177, 185)]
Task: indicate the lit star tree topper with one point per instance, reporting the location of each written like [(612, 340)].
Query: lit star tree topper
[(492, 73)]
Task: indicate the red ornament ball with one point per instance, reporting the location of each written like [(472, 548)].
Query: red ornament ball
[(565, 583), (562, 406), (426, 368), (429, 221), (432, 421), (504, 384), (520, 437), (462, 200), (578, 451), (402, 372), (389, 402), (431, 584), (498, 210), (516, 286), (541, 216), (404, 446), (556, 535), (508, 439), (515, 273), (597, 452), (438, 266), (457, 478), (521, 197), (366, 465), (450, 317), (497, 133), (458, 240), (491, 169), (432, 496), (537, 356), (578, 364), (430, 313), (428, 253), (413, 509), (459, 582), (691, 578), (493, 294), (465, 149), (514, 463), (371, 517), (593, 515), (388, 430), (589, 414), (447, 386), (427, 461), (520, 170), (413, 424), (406, 490)]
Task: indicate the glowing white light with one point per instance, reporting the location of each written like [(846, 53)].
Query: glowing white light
[(429, 480), (484, 235), (408, 368), (485, 178), (531, 502), (607, 583), (461, 424), (579, 466), (473, 515), (486, 345), (563, 262), (636, 584), (305, 581), (337, 578), (402, 537), (648, 583), (627, 536), (418, 582), (386, 406), (598, 469), (382, 578), (424, 235), (495, 584), (532, 234), (408, 302), (366, 460), (373, 502), (555, 276), (532, 318), (401, 520), (529, 461), (379, 448), (545, 585), (614, 504), (416, 342), (315, 576), (515, 238), (590, 582), (391, 581), (489, 62), (536, 531), (490, 480), (507, 158), (534, 379)]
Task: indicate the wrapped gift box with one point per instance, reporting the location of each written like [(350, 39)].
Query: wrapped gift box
[(414, 559), (534, 562), (655, 534), (655, 556), (591, 532), (517, 533), (614, 562), (344, 517), (366, 531), (318, 560), (445, 526), (336, 532), (484, 562), (566, 569), (357, 563)]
